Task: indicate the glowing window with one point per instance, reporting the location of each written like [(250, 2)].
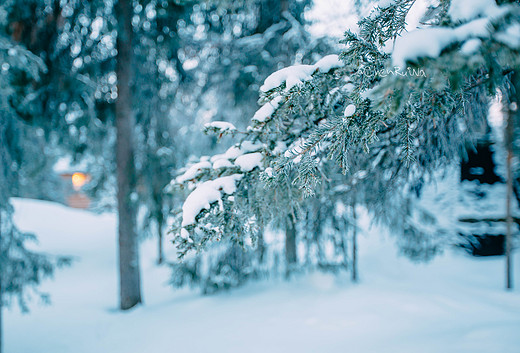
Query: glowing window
[(78, 180)]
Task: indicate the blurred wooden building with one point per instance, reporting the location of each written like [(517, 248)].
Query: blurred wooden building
[(75, 177)]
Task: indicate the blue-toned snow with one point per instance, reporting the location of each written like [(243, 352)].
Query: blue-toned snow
[(455, 304)]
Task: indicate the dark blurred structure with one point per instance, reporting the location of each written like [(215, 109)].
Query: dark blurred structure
[(480, 167), (479, 164)]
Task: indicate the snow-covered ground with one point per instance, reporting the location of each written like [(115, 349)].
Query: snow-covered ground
[(454, 304)]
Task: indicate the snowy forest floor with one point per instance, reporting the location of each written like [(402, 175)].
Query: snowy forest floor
[(455, 303)]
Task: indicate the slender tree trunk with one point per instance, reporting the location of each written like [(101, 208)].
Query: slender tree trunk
[(129, 280), (260, 246), (509, 218), (1, 288), (1, 317), (160, 257), (512, 115), (290, 243), (354, 275)]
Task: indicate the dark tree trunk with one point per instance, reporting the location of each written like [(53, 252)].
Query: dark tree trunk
[(160, 255), (354, 275), (1, 318), (260, 246), (509, 218), (513, 113), (129, 280), (290, 243), (1, 287)]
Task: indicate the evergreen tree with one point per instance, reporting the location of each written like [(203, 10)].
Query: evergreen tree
[(243, 57), (397, 107), (21, 269)]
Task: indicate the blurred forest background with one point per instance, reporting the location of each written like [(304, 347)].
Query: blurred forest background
[(104, 106)]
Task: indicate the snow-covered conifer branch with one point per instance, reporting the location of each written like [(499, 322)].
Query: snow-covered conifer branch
[(390, 99)]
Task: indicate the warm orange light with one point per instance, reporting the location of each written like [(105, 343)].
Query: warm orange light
[(78, 180)]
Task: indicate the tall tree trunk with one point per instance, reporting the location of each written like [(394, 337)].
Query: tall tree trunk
[(160, 255), (1, 287), (260, 246), (509, 218), (512, 115), (129, 280), (1, 318), (290, 243), (354, 275)]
